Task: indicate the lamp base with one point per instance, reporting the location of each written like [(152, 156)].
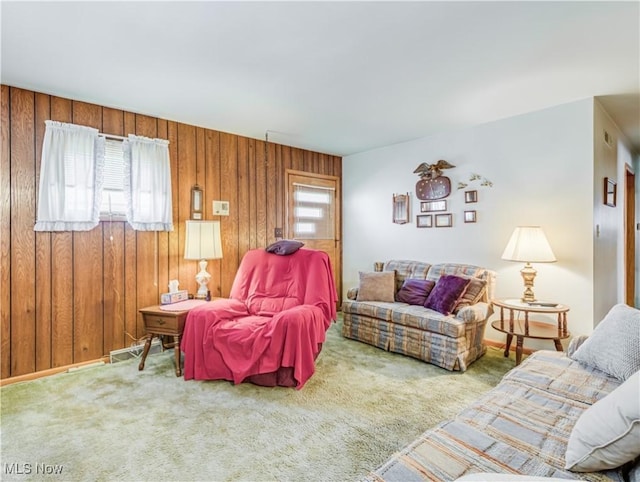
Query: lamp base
[(528, 275), (203, 280)]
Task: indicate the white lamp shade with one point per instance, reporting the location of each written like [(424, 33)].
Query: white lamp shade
[(203, 240), (530, 245)]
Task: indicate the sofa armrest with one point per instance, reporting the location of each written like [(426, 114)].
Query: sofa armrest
[(352, 294), (474, 313), (575, 344)]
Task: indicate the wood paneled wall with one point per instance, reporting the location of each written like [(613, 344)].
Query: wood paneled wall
[(70, 297)]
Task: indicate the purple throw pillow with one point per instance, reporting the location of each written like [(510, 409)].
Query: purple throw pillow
[(284, 247), (445, 294), (415, 291)]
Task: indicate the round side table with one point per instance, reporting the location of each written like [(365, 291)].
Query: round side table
[(528, 327)]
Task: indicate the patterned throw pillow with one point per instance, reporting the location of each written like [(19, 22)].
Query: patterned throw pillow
[(377, 286), (472, 294), (613, 345), (445, 294), (415, 291)]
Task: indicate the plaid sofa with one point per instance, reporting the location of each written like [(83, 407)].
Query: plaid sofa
[(522, 426), (449, 341)]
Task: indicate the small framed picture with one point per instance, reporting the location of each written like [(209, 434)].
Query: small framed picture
[(444, 220), (469, 216), (431, 206), (401, 208), (197, 204), (424, 221), (471, 196), (610, 189)]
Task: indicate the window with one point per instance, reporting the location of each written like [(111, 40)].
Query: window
[(85, 178), (113, 203), (312, 213)]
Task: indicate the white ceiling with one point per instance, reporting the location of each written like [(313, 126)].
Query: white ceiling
[(335, 77)]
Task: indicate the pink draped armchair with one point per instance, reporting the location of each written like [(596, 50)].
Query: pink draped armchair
[(272, 327)]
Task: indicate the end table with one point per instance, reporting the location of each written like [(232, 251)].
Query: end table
[(527, 327), (161, 322)]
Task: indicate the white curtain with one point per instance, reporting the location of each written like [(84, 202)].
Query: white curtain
[(70, 178), (147, 184)]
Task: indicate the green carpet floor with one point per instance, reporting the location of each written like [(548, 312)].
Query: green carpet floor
[(115, 423)]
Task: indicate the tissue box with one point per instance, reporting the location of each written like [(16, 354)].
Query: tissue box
[(168, 298)]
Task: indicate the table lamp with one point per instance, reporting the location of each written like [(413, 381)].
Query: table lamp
[(203, 243), (528, 244)]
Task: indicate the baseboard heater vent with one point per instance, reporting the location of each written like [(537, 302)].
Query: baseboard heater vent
[(134, 351)]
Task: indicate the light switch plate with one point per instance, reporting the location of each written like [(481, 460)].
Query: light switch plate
[(220, 208)]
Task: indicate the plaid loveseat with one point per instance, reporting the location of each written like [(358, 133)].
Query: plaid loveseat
[(449, 341)]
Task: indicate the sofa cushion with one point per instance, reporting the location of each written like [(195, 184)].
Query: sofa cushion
[(376, 286), (415, 291), (427, 319), (373, 309), (512, 429), (446, 293), (607, 434), (613, 345), (554, 372), (493, 477)]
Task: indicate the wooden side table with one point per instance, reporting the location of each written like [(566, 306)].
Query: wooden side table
[(160, 322), (528, 327)]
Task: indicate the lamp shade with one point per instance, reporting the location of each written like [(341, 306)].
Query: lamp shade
[(528, 244), (203, 240)]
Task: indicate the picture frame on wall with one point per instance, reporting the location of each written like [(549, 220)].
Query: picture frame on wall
[(610, 191), (443, 220), (197, 203), (401, 208), (471, 196), (424, 221), (433, 206), (469, 216)]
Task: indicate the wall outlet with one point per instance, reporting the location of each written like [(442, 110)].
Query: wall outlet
[(277, 232)]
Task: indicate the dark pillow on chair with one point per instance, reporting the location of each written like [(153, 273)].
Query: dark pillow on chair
[(284, 247), (415, 291), (445, 294)]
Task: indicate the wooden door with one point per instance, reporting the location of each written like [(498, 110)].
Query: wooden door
[(313, 216), (630, 238)]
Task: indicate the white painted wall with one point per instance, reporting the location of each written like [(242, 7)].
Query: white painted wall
[(541, 166), (610, 160)]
